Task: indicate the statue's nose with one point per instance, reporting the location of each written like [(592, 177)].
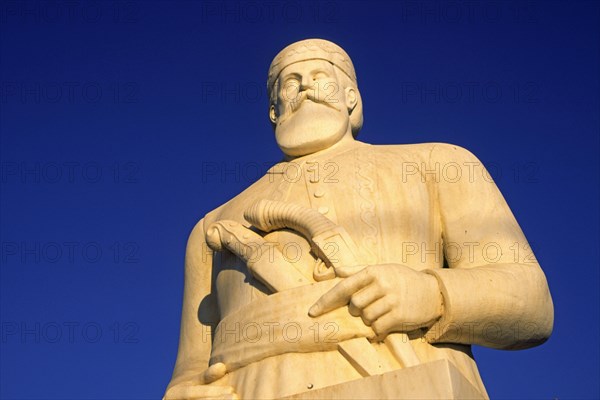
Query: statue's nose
[(306, 83)]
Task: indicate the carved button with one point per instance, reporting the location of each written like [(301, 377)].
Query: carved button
[(323, 210), (319, 193)]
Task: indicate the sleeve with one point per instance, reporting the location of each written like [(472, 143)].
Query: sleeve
[(199, 311), (495, 293)]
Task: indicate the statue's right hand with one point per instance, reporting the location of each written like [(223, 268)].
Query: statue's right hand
[(195, 391)]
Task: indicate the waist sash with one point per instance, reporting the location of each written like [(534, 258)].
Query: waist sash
[(280, 324)]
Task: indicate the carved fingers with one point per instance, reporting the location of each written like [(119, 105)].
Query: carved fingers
[(197, 389), (341, 294), (363, 302), (213, 373), (388, 298)]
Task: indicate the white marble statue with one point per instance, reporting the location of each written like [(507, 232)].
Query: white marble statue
[(353, 270)]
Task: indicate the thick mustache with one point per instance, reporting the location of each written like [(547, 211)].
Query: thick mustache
[(309, 95)]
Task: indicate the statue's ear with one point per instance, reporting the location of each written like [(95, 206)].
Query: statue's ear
[(351, 98), (272, 114)]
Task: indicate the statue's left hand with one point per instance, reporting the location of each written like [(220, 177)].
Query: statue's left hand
[(199, 388), (388, 297)]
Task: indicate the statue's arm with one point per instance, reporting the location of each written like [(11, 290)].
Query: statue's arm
[(495, 293), (195, 337)]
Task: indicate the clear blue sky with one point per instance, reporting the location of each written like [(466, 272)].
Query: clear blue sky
[(115, 115)]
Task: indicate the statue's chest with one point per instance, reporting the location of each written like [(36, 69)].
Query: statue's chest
[(385, 217)]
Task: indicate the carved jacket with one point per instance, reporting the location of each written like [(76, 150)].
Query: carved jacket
[(428, 206)]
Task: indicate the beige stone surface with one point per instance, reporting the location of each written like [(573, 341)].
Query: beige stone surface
[(350, 263), (434, 380)]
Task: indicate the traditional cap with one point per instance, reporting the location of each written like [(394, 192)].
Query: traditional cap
[(311, 49)]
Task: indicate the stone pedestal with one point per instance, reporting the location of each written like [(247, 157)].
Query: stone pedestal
[(434, 380)]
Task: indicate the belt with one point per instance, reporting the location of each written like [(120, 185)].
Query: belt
[(280, 324)]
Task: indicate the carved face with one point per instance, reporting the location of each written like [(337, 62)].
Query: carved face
[(312, 108)]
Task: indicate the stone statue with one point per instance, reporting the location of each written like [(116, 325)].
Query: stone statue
[(351, 270)]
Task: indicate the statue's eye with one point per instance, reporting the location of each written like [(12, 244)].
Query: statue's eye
[(290, 89), (292, 82), (319, 75)]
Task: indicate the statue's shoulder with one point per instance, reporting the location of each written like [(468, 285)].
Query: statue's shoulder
[(198, 232), (425, 152)]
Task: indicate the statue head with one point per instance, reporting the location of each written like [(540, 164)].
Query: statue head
[(314, 98)]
